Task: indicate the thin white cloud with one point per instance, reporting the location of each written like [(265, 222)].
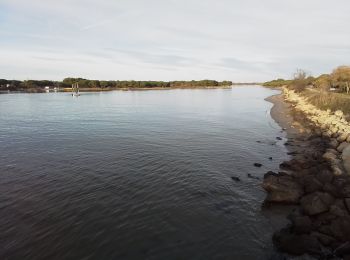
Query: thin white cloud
[(98, 24)]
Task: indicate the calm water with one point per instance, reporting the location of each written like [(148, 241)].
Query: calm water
[(137, 175)]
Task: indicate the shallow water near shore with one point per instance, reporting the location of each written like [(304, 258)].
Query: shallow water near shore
[(138, 175)]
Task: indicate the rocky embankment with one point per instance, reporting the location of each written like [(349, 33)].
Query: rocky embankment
[(316, 178)]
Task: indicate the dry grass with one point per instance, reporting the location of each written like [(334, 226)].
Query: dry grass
[(328, 100)]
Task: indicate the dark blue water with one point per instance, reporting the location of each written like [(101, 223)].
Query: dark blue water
[(137, 175)]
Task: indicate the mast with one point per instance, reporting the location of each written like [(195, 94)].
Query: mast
[(75, 89)]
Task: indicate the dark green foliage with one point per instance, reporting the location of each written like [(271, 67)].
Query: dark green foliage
[(141, 84), (277, 83), (96, 84)]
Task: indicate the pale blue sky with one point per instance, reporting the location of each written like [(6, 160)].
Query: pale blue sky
[(250, 40)]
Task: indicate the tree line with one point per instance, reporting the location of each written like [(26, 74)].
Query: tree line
[(338, 80), (102, 84)]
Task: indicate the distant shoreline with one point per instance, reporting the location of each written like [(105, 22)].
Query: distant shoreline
[(66, 90), (142, 89)]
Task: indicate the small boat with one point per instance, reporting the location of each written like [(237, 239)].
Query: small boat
[(75, 90)]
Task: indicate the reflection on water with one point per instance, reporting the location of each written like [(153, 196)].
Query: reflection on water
[(137, 175)]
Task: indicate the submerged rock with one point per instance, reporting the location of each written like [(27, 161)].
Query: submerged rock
[(257, 164), (253, 177), (235, 178)]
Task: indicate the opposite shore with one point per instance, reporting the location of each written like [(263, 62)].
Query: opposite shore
[(85, 85), (315, 178)]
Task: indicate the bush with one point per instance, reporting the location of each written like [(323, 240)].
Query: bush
[(300, 81)]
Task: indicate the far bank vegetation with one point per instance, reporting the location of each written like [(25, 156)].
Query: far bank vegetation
[(104, 85), (327, 91)]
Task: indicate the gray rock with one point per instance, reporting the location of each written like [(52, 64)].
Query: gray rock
[(311, 184), (346, 191), (324, 239), (338, 208), (331, 189), (331, 150), (325, 176), (337, 171), (342, 185), (340, 228), (316, 203), (343, 249), (282, 188), (302, 225), (347, 203), (323, 219), (342, 137), (342, 146), (296, 244), (329, 156), (235, 178), (346, 159), (333, 143)]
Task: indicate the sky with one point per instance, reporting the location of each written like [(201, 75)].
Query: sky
[(238, 40)]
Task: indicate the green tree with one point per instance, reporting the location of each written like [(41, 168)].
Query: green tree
[(323, 82), (300, 80), (341, 78)]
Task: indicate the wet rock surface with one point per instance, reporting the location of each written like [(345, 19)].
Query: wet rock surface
[(282, 188)]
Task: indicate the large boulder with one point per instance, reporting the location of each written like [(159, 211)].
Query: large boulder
[(282, 188), (311, 184), (329, 156), (331, 189), (338, 228), (346, 159), (325, 176), (295, 244), (316, 203), (336, 169), (347, 204), (295, 164), (339, 209), (346, 191), (343, 250), (301, 224), (342, 137), (333, 143), (324, 239), (342, 146)]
